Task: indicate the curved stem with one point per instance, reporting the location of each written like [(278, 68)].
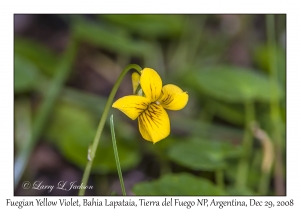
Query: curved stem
[(94, 146)]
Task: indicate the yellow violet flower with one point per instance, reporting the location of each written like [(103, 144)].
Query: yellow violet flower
[(150, 102)]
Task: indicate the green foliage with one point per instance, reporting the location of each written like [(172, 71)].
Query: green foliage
[(233, 84), (25, 75), (206, 155), (177, 185), (215, 58), (262, 59), (110, 38), (44, 58), (240, 191), (206, 130), (233, 113), (149, 25), (73, 128)]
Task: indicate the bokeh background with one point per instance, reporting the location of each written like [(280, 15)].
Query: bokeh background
[(230, 139)]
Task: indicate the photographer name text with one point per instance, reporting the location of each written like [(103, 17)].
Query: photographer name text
[(62, 185)]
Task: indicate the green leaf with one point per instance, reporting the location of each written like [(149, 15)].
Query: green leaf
[(203, 155), (203, 129), (261, 56), (233, 84), (89, 101), (73, 130), (232, 113), (239, 191), (25, 75), (177, 184), (40, 55), (110, 38), (149, 25)]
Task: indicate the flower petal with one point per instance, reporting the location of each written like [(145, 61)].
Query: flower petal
[(173, 97), (132, 106), (151, 84), (154, 123), (144, 130), (135, 77)]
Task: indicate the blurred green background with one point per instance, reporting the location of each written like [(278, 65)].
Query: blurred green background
[(230, 139)]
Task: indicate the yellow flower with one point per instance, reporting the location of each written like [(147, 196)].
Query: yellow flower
[(149, 104)]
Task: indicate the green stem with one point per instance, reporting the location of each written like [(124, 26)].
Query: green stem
[(220, 178), (243, 167), (62, 72), (275, 107), (264, 180), (112, 129), (264, 183), (94, 146)]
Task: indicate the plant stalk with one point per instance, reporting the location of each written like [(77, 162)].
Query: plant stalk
[(276, 135), (108, 105), (113, 136), (243, 167), (220, 178)]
